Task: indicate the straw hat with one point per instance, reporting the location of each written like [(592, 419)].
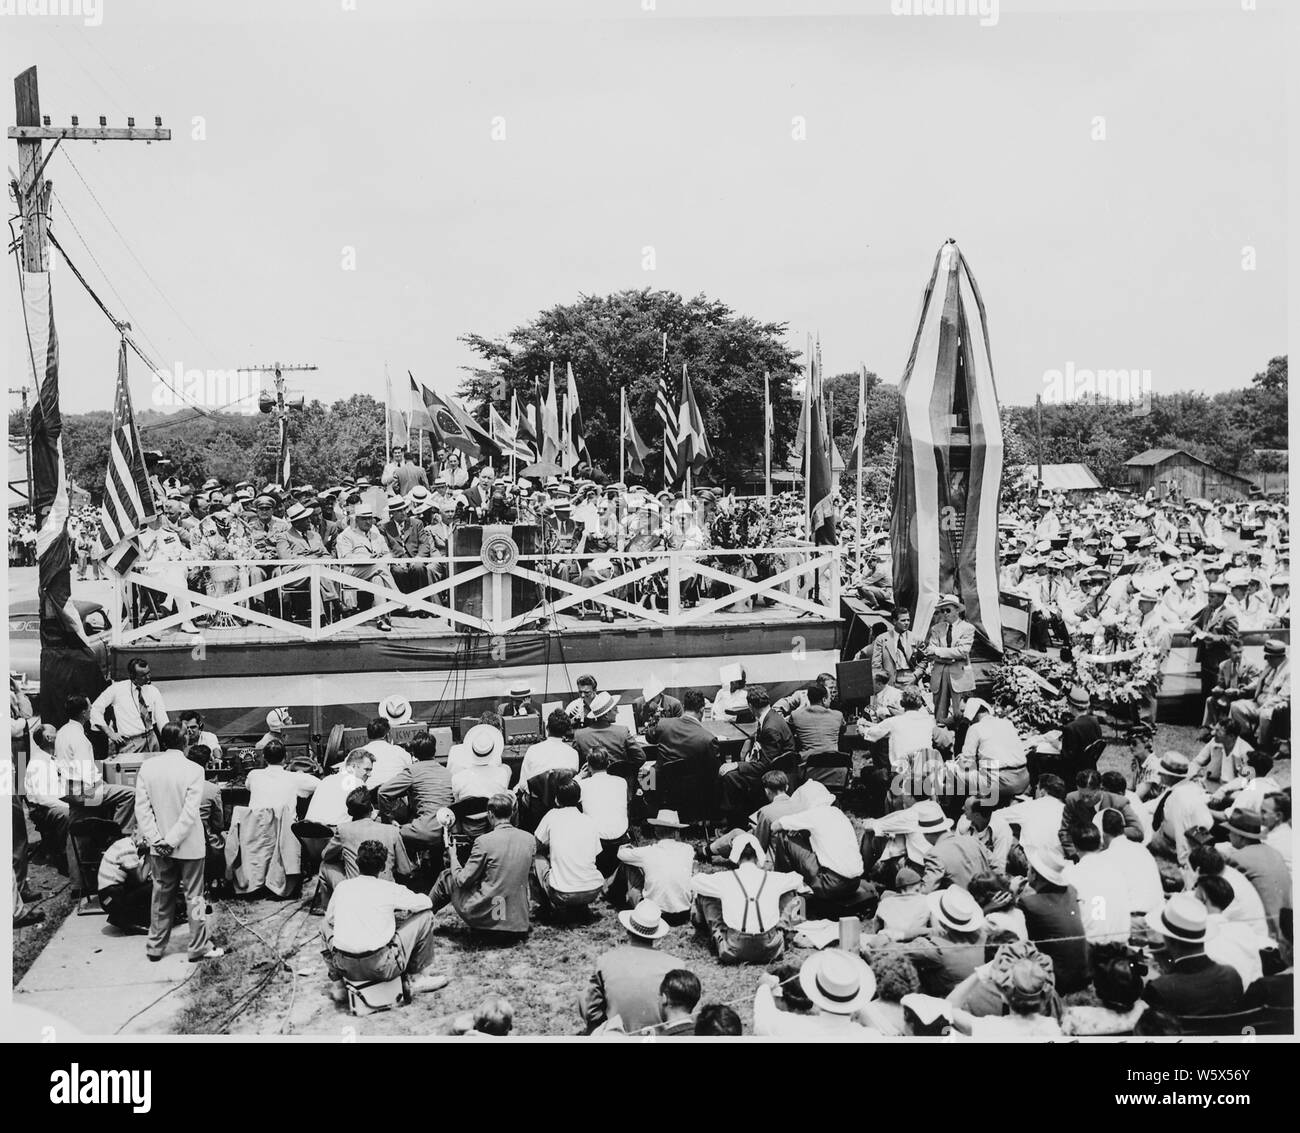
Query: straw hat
[(955, 909), (1049, 863), (1183, 918), (1174, 765), (645, 921), (603, 703), (667, 818), (395, 709), (930, 818), (485, 743), (837, 982)]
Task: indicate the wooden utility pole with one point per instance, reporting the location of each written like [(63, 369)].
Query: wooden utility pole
[(279, 406), (1038, 428)]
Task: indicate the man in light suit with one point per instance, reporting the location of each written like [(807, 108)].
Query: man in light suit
[(1258, 710), (892, 652), (490, 891), (949, 644), (168, 792)]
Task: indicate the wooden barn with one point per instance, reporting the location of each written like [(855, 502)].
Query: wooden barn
[(1165, 468)]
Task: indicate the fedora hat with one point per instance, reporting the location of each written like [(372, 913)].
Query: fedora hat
[(1274, 648), (667, 818), (1080, 697), (396, 505), (395, 709), (485, 743), (645, 921), (603, 703), (905, 878), (930, 818), (1182, 918), (947, 601), (837, 981), (297, 512), (955, 909), (1174, 765), (1048, 862), (1245, 824)]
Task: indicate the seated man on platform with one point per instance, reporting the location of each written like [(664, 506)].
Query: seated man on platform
[(45, 786), (339, 858), (521, 702), (192, 726), (364, 942), (740, 909), (461, 757), (276, 721), (415, 794), (740, 783), (568, 846), (819, 844), (273, 786), (555, 753), (362, 539), (789, 705), (732, 699), (490, 891), (1268, 697), (886, 699), (600, 733)]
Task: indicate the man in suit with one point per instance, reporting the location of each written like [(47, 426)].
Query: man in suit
[(689, 746), (741, 783), (600, 732), (168, 791), (1214, 628), (490, 891), (1268, 701), (1080, 734), (892, 652), (949, 645), (521, 703), (1234, 681), (339, 858), (654, 704), (627, 978), (1191, 983), (301, 540), (478, 496), (415, 794)]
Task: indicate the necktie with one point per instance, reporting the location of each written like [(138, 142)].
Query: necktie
[(145, 718), (1158, 819), (949, 633)]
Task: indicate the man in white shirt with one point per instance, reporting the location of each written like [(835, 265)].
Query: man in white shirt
[(329, 801), (192, 726), (138, 710), (1103, 895), (733, 697), (553, 754), (485, 774), (1247, 907), (388, 758), (829, 861), (604, 798), (1181, 807), (839, 985), (1132, 863), (994, 751), (1226, 941), (886, 699), (910, 731), (1039, 819), (462, 757), (1275, 817), (567, 876), (363, 941), (740, 909), (273, 787), (661, 870)]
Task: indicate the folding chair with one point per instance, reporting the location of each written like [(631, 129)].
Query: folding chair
[(90, 839)]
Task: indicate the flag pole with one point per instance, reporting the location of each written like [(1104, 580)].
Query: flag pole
[(767, 436), (691, 462), (807, 448), (862, 440), (622, 435)]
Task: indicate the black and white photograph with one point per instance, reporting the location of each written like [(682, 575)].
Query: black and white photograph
[(617, 520)]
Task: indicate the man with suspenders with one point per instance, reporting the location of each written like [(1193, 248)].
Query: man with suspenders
[(741, 909)]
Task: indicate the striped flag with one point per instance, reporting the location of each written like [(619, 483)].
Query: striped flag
[(693, 449), (575, 442), (418, 416), (860, 432), (398, 432), (506, 435), (522, 423), (59, 622), (635, 450), (128, 499), (948, 465), (821, 496), (550, 423), (668, 418)]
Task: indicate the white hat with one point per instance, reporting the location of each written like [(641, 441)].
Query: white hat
[(743, 839), (729, 673), (947, 601), (653, 687), (1048, 862), (645, 921), (973, 706), (1182, 918), (930, 818), (955, 909), (602, 704), (837, 981), (485, 743), (363, 510), (395, 709), (927, 1008), (278, 718)]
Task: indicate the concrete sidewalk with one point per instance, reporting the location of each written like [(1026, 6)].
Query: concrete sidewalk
[(97, 978)]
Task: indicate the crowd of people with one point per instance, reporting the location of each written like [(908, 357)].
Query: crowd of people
[(999, 885)]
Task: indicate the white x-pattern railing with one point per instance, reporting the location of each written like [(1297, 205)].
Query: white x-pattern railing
[(691, 587)]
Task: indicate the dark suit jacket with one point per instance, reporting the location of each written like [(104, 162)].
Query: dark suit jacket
[(669, 707), (1076, 736), (773, 740), (614, 739), (1081, 807), (684, 738), (1196, 986), (343, 847), (491, 889), (1220, 627)]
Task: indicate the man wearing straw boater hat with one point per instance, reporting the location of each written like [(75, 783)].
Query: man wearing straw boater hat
[(1191, 983), (837, 983), (1182, 807), (662, 870), (627, 978)]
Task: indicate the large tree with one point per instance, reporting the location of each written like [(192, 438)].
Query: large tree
[(615, 342)]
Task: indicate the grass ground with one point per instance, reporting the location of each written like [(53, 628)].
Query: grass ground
[(54, 899)]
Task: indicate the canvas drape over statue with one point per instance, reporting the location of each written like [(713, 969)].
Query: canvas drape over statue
[(949, 457)]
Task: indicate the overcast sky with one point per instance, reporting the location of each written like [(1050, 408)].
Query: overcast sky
[(329, 129)]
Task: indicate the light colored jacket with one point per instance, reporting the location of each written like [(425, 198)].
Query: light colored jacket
[(168, 792)]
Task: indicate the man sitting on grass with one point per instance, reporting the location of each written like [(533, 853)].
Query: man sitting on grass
[(339, 858), (363, 941), (568, 844), (627, 978)]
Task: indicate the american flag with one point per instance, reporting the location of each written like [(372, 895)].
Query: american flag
[(128, 500), (668, 415)]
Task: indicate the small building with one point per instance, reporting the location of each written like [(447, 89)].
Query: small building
[(1068, 479), (1166, 469)]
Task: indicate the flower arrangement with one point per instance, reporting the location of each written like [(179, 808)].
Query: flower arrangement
[(1030, 692), (1118, 665)]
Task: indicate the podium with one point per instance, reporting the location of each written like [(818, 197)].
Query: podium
[(474, 598)]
